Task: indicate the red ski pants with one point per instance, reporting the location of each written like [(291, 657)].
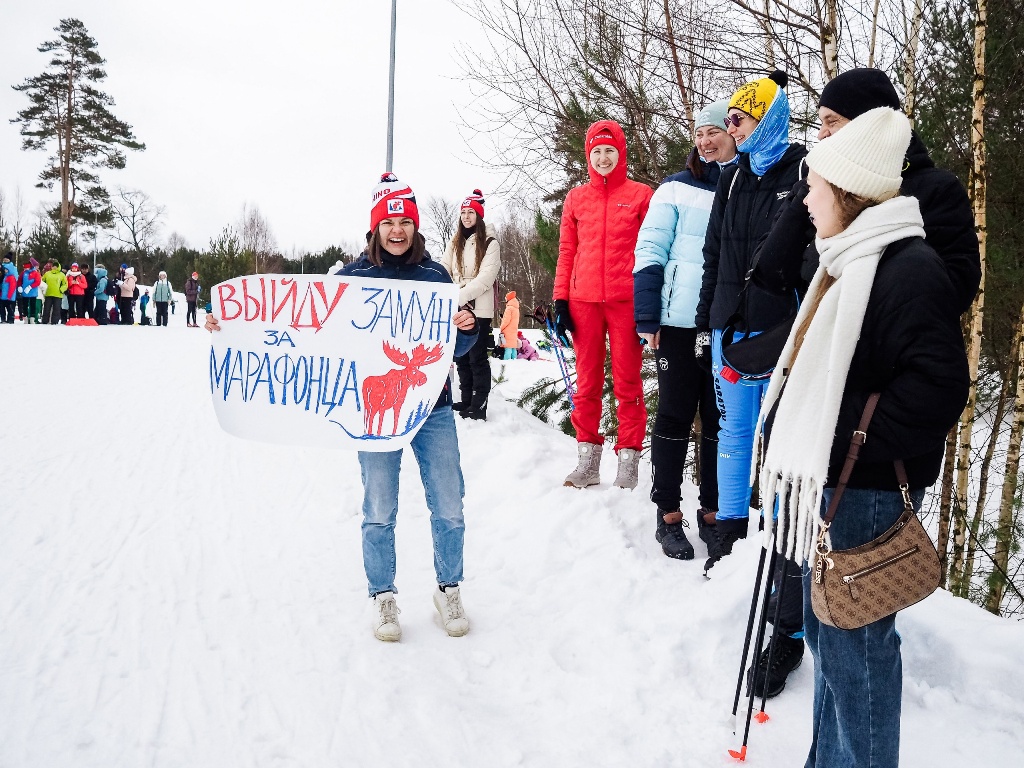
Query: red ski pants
[(594, 322)]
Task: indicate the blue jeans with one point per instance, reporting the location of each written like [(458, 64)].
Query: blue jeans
[(858, 674), (739, 406), (436, 447)]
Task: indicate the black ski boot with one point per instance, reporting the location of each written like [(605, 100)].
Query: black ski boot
[(721, 537), (671, 537), (787, 654)]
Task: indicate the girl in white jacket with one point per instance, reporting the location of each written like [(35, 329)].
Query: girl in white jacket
[(473, 259)]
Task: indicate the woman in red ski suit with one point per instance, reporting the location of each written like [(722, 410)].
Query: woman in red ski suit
[(593, 299)]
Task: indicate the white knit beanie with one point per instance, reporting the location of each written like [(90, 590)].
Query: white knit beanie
[(866, 156)]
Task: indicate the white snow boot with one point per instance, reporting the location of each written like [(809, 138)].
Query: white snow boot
[(629, 468), (448, 602), (387, 627), (588, 471)]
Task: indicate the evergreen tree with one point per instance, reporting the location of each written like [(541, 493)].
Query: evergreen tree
[(69, 111)]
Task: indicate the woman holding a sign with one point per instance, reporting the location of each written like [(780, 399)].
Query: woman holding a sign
[(473, 259), (396, 251)]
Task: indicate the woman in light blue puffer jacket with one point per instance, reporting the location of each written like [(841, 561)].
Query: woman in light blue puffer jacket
[(666, 288)]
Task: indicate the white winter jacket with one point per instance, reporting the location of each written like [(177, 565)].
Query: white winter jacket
[(473, 285)]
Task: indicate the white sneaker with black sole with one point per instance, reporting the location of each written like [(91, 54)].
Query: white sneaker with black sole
[(448, 602), (387, 627)]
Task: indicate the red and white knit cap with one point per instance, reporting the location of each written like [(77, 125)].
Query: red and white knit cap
[(392, 198), (476, 202)]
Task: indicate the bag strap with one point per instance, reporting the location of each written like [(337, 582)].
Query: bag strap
[(860, 436)]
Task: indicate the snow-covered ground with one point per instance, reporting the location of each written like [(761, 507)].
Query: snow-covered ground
[(172, 596)]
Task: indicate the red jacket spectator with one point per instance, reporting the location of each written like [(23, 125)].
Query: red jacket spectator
[(76, 282), (600, 224)]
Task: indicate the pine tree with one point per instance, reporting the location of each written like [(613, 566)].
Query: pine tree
[(67, 109)]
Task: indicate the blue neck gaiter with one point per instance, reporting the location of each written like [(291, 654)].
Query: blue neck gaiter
[(770, 139)]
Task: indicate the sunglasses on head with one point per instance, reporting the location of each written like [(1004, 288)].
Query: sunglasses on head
[(735, 120)]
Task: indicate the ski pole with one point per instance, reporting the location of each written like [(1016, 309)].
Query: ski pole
[(750, 631), (741, 753), (761, 716), (561, 359)]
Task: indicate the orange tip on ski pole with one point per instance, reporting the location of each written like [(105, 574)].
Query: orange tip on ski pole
[(762, 717), (741, 755)]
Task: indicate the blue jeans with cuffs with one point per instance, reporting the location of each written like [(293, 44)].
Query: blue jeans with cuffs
[(436, 448)]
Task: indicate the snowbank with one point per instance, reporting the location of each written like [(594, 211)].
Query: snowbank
[(170, 596)]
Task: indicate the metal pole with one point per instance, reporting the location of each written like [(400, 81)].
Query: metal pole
[(391, 88)]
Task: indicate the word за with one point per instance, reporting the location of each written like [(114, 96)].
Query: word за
[(302, 312), (435, 318), (282, 375)]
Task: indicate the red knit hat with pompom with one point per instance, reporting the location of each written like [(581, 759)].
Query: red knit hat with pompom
[(392, 198), (476, 202)]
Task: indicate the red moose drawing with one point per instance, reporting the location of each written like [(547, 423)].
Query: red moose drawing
[(387, 392)]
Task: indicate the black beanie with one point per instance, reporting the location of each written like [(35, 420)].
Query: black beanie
[(853, 93)]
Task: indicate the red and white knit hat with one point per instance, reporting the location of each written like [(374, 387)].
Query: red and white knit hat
[(476, 202), (392, 198)]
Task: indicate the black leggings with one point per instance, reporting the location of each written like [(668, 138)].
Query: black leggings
[(190, 317), (683, 389), (475, 369)]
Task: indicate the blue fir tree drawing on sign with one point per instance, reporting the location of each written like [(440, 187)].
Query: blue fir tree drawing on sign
[(423, 409)]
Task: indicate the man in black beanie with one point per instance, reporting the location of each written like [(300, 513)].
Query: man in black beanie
[(945, 207), (949, 229)]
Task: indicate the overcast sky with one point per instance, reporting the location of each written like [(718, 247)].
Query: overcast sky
[(282, 105)]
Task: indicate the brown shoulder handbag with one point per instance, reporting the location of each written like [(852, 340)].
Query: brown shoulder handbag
[(851, 588)]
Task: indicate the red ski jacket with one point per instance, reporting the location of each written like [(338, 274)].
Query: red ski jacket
[(600, 223)]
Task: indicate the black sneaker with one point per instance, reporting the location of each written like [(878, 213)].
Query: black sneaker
[(671, 537), (786, 656), (721, 537)]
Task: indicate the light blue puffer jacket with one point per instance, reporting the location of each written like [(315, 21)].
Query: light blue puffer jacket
[(669, 263)]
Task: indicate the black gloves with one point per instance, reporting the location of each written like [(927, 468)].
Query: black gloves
[(702, 350), (563, 322)]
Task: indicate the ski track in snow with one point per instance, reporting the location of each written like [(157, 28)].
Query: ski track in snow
[(173, 596)]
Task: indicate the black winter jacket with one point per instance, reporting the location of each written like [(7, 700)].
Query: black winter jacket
[(741, 216), (912, 351), (948, 225)]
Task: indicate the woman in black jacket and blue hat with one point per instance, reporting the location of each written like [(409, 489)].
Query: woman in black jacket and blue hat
[(748, 196)]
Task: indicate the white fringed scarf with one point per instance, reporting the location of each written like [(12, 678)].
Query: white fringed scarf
[(795, 465)]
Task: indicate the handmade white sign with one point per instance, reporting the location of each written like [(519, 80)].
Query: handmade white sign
[(330, 361)]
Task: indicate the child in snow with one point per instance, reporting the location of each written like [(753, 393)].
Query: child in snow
[(510, 325), (144, 305), (398, 251), (526, 350)]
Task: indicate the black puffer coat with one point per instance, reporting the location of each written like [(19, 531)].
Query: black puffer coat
[(741, 216), (911, 350), (948, 225)]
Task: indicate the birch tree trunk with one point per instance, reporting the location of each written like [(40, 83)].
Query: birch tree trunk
[(1004, 529), (910, 59), (830, 39), (963, 585), (946, 503), (979, 176)]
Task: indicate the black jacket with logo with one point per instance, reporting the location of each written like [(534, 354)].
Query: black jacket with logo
[(948, 225), (744, 208)]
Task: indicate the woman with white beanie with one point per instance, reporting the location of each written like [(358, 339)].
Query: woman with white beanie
[(880, 316)]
